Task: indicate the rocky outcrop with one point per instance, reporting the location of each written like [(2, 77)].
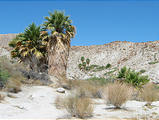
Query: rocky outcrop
[(5, 38)]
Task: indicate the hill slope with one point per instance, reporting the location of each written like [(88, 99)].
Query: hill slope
[(137, 56)]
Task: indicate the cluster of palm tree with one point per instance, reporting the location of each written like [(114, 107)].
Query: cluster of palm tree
[(46, 44)]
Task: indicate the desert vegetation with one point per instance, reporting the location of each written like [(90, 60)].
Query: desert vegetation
[(10, 75), (40, 54), (79, 106), (132, 77), (149, 93), (117, 93)]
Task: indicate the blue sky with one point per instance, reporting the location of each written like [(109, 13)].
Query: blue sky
[(97, 22)]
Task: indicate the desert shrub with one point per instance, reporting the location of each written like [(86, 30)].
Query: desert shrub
[(80, 107), (117, 94), (149, 93), (10, 76), (108, 65), (132, 77), (153, 62), (98, 80), (4, 75), (1, 97), (122, 72), (87, 89), (59, 102), (142, 71), (110, 72)]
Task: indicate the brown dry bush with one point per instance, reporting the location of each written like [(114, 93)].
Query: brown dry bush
[(89, 90), (1, 97), (59, 102), (84, 87), (117, 93), (149, 93), (80, 107)]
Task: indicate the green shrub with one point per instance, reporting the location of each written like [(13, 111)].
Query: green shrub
[(99, 68), (153, 62), (82, 59), (142, 71), (110, 72), (132, 77), (10, 76), (122, 72), (108, 65), (98, 80), (85, 66), (4, 75), (88, 61)]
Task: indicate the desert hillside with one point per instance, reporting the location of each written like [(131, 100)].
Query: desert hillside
[(138, 56)]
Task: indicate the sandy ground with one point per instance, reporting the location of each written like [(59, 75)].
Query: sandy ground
[(37, 102)]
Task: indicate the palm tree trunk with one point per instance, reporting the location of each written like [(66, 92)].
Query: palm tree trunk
[(57, 57)]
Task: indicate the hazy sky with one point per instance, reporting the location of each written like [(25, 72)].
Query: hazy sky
[(97, 22)]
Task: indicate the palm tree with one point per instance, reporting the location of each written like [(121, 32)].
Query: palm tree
[(28, 47), (59, 29)]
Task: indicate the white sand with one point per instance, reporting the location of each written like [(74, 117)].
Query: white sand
[(37, 102)]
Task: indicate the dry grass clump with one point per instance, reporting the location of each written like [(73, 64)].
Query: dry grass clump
[(82, 86), (149, 93), (1, 97), (59, 102), (13, 85), (11, 78), (89, 90), (117, 93), (80, 107)]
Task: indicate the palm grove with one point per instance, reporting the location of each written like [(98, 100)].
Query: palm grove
[(45, 47)]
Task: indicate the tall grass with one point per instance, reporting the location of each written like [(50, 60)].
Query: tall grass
[(117, 94)]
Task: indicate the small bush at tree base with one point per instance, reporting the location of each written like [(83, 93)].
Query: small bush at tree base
[(10, 76), (80, 107), (117, 94), (4, 75)]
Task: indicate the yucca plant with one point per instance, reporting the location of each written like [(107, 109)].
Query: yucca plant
[(28, 47), (132, 77), (88, 61), (82, 59), (58, 32), (84, 65)]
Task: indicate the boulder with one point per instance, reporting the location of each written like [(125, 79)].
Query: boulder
[(60, 90)]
